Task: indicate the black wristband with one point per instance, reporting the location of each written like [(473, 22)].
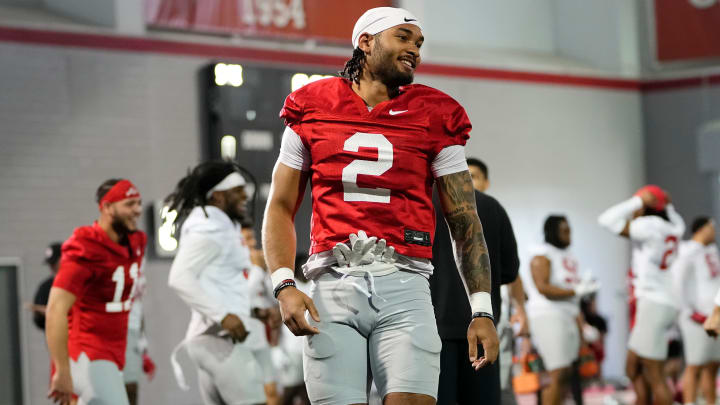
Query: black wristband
[(483, 315), (286, 283)]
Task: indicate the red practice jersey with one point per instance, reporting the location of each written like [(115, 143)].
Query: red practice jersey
[(371, 170), (101, 274)]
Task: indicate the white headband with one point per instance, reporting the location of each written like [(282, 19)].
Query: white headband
[(232, 180), (379, 19)]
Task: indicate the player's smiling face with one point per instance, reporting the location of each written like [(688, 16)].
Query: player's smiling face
[(125, 215), (236, 200), (396, 54)]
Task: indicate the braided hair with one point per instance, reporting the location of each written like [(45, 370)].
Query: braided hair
[(191, 191), (353, 69)]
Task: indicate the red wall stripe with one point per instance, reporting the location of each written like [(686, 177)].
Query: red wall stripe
[(149, 45)]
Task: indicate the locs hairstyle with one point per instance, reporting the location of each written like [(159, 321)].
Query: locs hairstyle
[(191, 191), (353, 69)]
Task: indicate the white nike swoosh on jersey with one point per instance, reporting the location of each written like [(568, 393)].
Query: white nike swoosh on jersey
[(397, 112), (405, 281)]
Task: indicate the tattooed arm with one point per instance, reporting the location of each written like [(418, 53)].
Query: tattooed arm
[(457, 199)]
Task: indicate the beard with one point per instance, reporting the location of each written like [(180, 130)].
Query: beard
[(119, 225), (236, 214), (386, 69)]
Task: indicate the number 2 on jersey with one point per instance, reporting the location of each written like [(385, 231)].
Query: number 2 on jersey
[(367, 167), (118, 276), (671, 244)]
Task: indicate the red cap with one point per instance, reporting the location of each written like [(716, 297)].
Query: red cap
[(121, 190), (660, 196)]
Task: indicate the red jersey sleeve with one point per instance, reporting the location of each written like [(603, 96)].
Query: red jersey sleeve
[(449, 123), (76, 263), (457, 126), (73, 277), (292, 111)]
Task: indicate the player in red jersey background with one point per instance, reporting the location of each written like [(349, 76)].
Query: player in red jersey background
[(91, 297), (373, 145)]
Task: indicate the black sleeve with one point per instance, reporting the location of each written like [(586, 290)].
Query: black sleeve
[(508, 248), (41, 298)]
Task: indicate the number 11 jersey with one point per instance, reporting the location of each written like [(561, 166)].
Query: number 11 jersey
[(101, 274), (372, 169)]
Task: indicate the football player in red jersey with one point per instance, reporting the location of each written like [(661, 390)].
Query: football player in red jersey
[(87, 314), (373, 145)]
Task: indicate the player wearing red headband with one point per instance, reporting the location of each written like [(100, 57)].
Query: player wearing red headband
[(650, 221), (87, 313)]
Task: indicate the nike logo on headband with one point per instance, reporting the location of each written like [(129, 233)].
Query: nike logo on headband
[(410, 19)]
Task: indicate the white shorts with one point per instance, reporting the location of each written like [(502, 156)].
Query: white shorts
[(228, 373), (264, 359), (133, 358), (648, 338), (699, 348), (97, 382), (393, 332), (290, 365), (556, 338)]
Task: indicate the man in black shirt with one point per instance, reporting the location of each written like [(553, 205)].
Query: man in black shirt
[(52, 259), (459, 383)]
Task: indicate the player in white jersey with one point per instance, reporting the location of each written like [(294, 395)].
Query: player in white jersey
[(554, 288), (654, 228), (265, 311), (208, 274), (696, 274)]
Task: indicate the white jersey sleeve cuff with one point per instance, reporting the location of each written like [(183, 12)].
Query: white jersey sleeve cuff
[(293, 152), (450, 160)]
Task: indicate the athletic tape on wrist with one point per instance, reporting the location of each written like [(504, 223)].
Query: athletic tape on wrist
[(280, 275), (481, 302)]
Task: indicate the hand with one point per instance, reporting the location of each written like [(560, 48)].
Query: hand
[(482, 330), (586, 287), (260, 313), (712, 323), (384, 253), (293, 304), (148, 366), (61, 387), (520, 318), (698, 317), (648, 198), (235, 326), (360, 252)]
